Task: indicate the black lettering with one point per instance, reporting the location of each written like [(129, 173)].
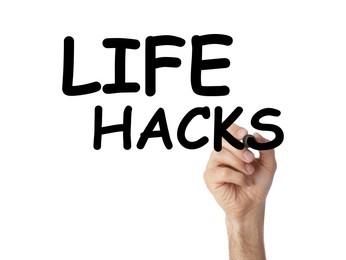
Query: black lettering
[(100, 130), (197, 64), (152, 63), (220, 129), (120, 85), (67, 80), (205, 113), (279, 134), (158, 118)]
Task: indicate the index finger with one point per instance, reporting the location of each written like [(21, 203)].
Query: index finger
[(238, 132)]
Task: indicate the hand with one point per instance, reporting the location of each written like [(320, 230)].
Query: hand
[(239, 181)]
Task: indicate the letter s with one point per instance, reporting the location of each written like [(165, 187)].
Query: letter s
[(279, 134)]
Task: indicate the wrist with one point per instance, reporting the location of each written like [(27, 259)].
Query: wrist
[(246, 236), (252, 218)]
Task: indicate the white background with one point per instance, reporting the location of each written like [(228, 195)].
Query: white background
[(61, 199)]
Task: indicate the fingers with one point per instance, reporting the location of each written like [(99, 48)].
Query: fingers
[(228, 159), (237, 130), (267, 157), (227, 175), (238, 133), (231, 165)]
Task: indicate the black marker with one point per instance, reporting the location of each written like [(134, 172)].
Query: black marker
[(246, 139)]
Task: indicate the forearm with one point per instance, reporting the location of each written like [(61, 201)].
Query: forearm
[(245, 235)]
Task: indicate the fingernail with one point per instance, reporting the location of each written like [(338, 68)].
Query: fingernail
[(241, 132), (248, 156), (249, 168)]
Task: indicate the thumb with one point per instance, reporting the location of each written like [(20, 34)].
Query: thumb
[(267, 157)]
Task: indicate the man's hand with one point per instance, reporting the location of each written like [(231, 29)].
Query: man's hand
[(240, 184)]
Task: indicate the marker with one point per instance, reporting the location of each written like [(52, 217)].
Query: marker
[(245, 140)]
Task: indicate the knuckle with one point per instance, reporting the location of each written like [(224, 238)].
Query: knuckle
[(241, 179), (223, 173), (213, 160)]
